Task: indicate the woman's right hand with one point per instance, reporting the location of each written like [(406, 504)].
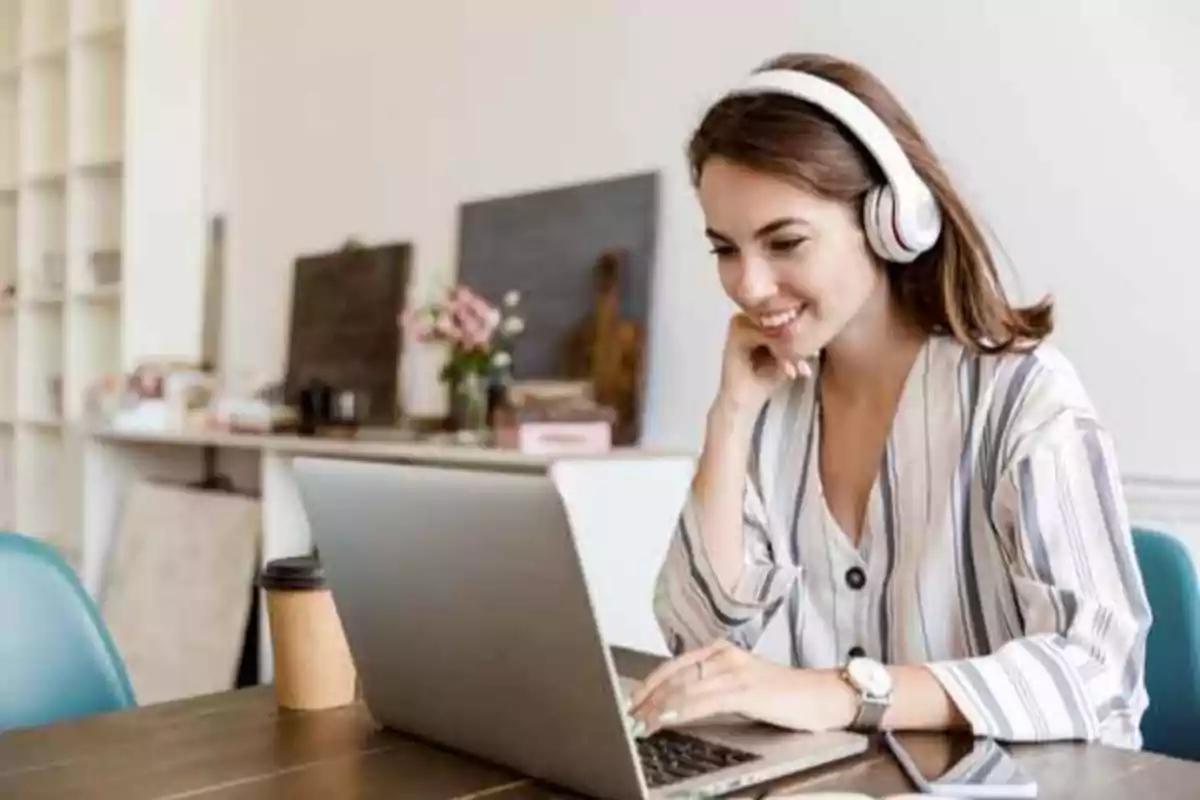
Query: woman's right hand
[(750, 371)]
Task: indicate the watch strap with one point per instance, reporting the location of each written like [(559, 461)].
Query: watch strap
[(870, 713), (871, 707)]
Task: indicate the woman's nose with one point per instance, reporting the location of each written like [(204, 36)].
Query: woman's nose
[(756, 281)]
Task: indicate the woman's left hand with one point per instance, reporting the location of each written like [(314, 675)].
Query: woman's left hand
[(723, 679)]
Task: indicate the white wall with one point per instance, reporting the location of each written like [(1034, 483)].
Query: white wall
[(219, 119), (165, 181), (1067, 124)]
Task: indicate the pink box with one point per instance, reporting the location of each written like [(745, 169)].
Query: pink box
[(556, 438)]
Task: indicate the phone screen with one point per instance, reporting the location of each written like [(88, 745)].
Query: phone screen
[(973, 767)]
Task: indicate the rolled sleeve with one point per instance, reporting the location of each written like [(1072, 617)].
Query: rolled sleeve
[(693, 607), (1078, 671)]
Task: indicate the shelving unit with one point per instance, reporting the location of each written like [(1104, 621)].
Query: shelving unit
[(8, 511), (62, 182), (8, 366), (9, 197)]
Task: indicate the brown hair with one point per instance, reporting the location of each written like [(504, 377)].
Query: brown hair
[(952, 289)]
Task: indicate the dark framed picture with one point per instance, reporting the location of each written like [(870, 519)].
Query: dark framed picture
[(582, 258)]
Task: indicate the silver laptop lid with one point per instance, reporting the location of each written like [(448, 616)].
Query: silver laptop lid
[(469, 617)]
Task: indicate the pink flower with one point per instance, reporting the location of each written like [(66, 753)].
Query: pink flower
[(445, 326), (422, 332), (464, 320), (485, 326), (473, 341), (476, 317), (477, 334), (461, 299), (417, 323), (478, 307)]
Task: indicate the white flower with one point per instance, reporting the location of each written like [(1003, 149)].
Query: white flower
[(512, 326), (501, 359), (512, 298)]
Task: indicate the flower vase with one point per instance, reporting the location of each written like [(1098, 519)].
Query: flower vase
[(499, 382), (469, 405)]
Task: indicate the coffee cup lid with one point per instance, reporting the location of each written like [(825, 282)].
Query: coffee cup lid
[(298, 573)]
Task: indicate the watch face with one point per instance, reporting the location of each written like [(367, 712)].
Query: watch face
[(870, 677)]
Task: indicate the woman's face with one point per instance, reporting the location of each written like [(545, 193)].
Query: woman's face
[(796, 263)]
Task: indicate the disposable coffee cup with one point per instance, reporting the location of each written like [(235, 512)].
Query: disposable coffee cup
[(313, 667)]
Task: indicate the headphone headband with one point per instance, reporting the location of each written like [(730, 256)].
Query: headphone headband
[(911, 222), (845, 107)]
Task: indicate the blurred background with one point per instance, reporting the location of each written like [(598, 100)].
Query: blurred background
[(1069, 126), (222, 225)]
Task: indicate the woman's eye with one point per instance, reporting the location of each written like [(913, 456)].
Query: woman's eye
[(722, 250), (782, 247)]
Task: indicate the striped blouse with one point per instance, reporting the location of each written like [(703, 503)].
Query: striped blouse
[(995, 549)]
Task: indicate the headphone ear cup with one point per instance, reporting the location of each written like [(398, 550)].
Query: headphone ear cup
[(875, 225), (889, 228), (921, 226)]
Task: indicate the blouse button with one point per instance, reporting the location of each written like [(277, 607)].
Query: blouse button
[(856, 578)]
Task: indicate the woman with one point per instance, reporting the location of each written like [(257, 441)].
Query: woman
[(896, 466)]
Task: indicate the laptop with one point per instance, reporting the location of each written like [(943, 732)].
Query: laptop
[(472, 626)]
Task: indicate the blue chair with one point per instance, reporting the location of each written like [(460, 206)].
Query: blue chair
[(57, 661), (1171, 725)]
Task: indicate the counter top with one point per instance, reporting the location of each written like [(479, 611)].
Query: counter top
[(384, 448)]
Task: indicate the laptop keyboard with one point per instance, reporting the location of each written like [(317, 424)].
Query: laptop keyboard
[(670, 757)]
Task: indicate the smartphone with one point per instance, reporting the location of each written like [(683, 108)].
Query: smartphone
[(960, 766)]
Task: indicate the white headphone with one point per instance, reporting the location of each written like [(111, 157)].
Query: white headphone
[(901, 218)]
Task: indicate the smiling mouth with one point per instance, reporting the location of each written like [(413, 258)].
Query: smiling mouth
[(777, 323)]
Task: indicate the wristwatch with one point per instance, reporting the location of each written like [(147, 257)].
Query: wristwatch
[(874, 685)]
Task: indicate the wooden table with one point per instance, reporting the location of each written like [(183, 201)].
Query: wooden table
[(237, 746)]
